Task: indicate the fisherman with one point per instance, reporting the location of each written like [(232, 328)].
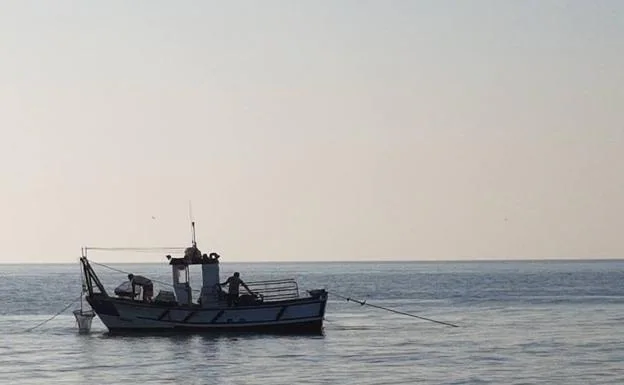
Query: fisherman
[(146, 284), (234, 283)]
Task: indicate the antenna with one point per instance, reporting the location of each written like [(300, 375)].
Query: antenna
[(193, 229), (194, 242)]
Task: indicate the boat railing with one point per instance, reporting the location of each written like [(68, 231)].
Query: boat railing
[(275, 290)]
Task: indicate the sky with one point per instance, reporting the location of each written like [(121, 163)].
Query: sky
[(312, 130)]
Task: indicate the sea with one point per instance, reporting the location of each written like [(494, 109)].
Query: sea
[(528, 322)]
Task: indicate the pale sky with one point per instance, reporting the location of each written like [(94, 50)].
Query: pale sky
[(313, 130)]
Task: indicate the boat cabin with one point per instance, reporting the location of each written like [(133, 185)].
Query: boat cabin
[(211, 289)]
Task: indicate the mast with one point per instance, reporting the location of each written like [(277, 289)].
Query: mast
[(193, 241), (193, 234)]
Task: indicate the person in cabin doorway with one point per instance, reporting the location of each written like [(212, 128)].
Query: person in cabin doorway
[(234, 283), (146, 284)]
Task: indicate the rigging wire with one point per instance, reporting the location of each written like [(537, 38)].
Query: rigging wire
[(391, 310), (125, 272), (139, 249)]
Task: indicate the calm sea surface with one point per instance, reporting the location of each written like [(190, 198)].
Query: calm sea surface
[(521, 323)]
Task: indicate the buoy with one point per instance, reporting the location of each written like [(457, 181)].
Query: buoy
[(83, 319)]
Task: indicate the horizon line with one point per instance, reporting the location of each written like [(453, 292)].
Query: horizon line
[(563, 259)]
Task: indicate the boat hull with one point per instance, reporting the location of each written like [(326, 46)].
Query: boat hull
[(300, 316)]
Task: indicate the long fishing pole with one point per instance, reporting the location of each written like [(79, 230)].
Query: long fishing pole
[(391, 310)]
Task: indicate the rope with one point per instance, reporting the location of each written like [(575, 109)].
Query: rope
[(54, 316), (108, 267), (391, 310)]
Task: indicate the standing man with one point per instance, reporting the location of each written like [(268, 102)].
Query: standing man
[(233, 288), (146, 284)]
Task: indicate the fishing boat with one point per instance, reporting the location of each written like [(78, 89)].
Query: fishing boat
[(273, 305)]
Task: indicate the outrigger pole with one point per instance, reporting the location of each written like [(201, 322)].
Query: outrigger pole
[(392, 310)]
